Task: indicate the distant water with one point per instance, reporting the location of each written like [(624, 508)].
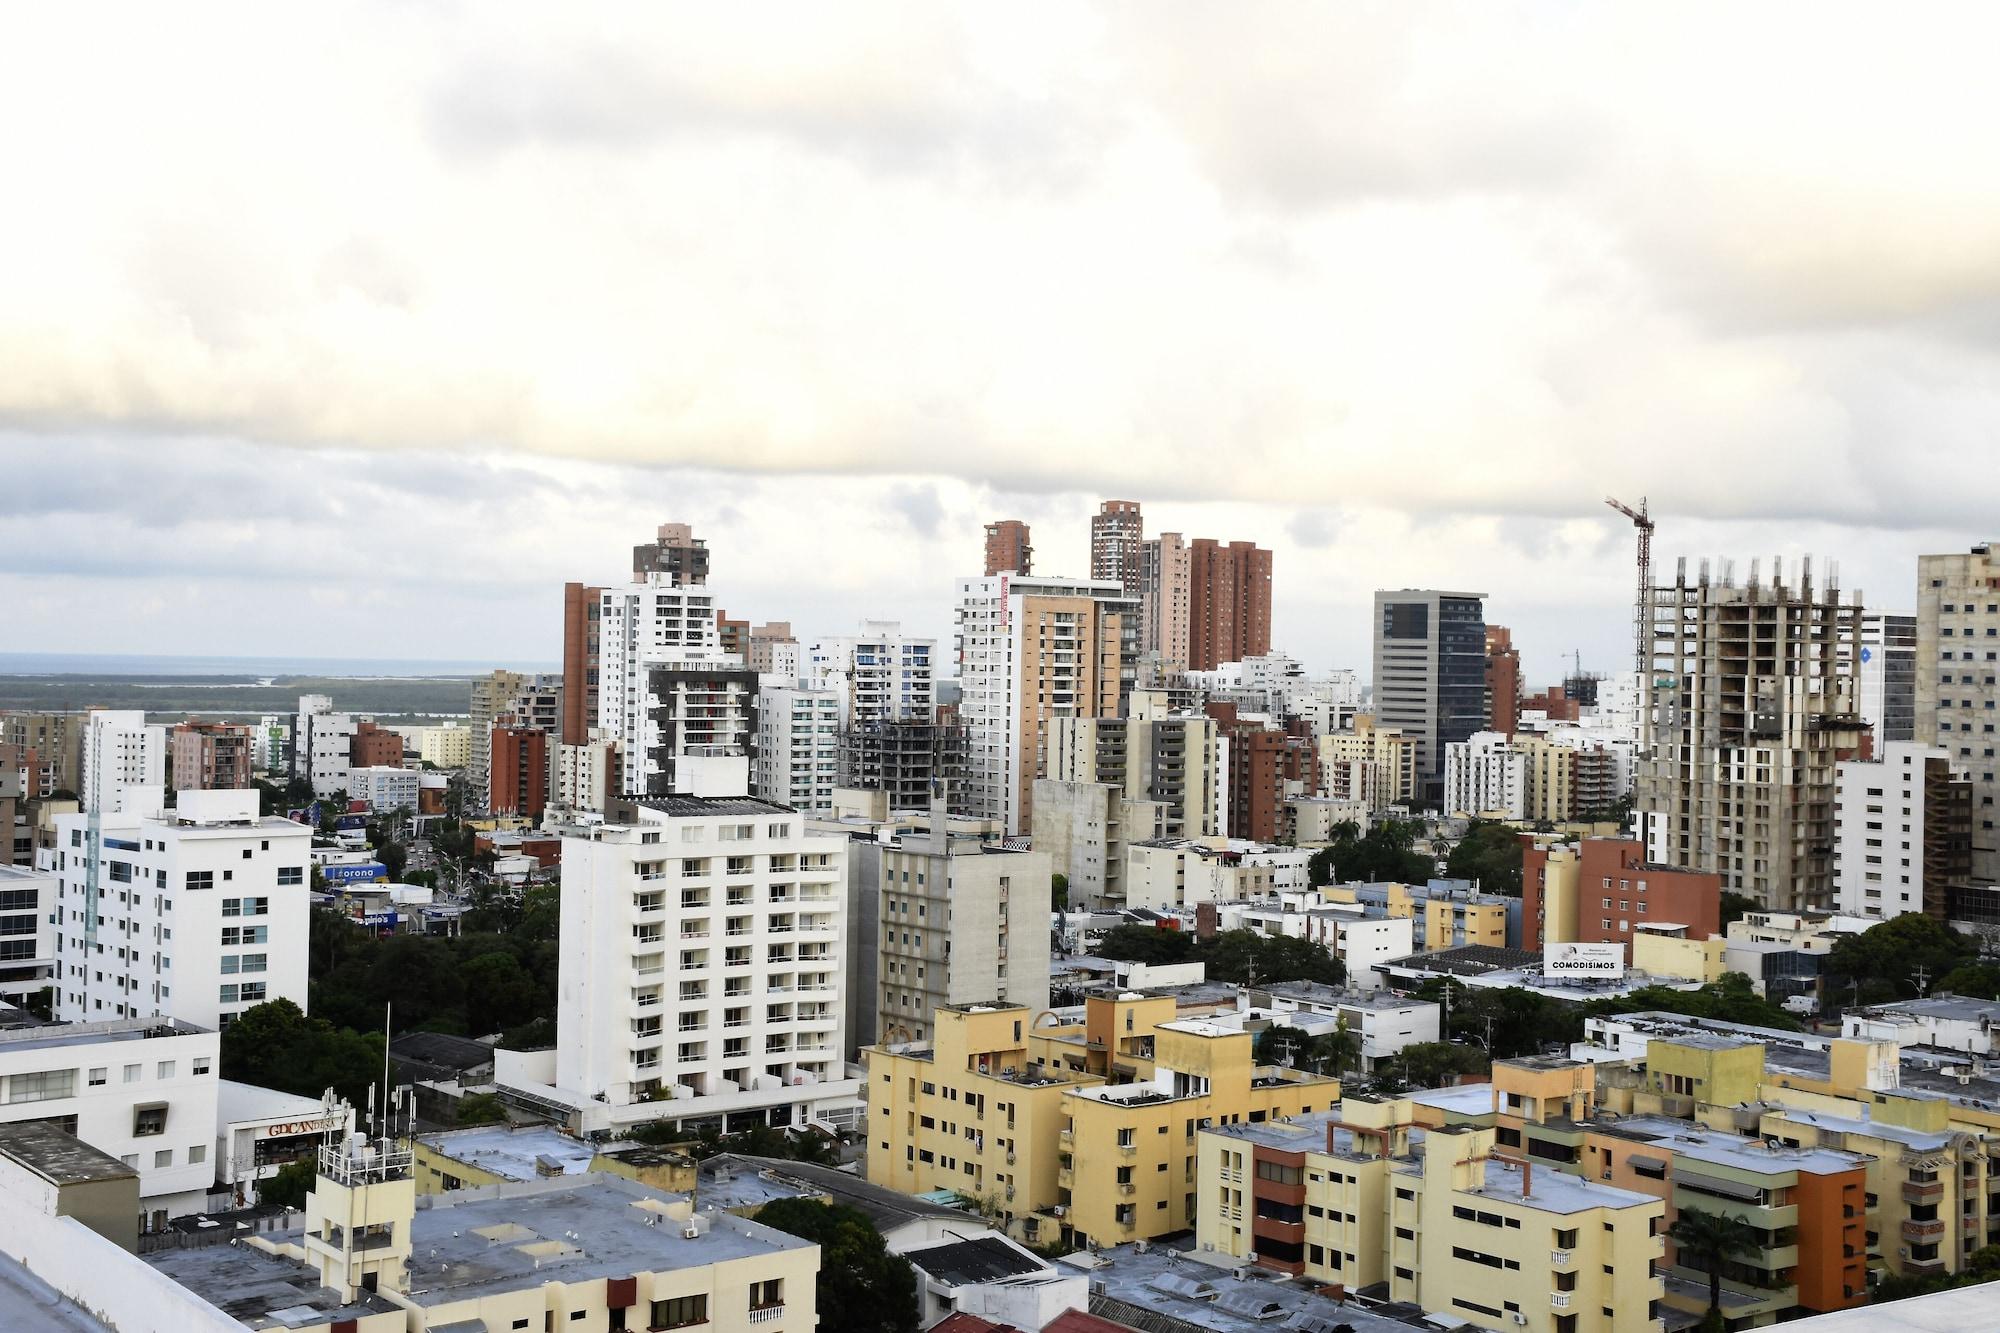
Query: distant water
[(119, 664)]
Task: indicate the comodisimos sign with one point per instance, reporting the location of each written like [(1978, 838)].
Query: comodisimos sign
[(1583, 960)]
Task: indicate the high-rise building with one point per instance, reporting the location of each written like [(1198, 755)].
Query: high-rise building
[(643, 626), (1116, 532), (197, 912), (963, 919), (212, 754), (1164, 598), (798, 747), (123, 755), (1229, 603), (879, 674), (515, 700), (1375, 766), (323, 744), (774, 650), (518, 773), (1957, 670), (1030, 650), (1902, 833), (1252, 768), (1430, 673), (700, 732), (906, 760), (1887, 676), (375, 747), (47, 748), (700, 971), (1503, 681), (581, 661), (1008, 549), (1752, 707), (677, 557)]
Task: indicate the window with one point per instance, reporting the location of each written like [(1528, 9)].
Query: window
[(164, 1157), (768, 1294), (149, 1120), (289, 876), (198, 1154), (43, 1087), (131, 1073), (205, 879), (680, 1312), (98, 1076), (166, 1069)]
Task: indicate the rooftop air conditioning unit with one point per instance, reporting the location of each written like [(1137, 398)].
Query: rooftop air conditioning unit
[(690, 1233)]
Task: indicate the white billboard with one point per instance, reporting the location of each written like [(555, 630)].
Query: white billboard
[(1583, 960)]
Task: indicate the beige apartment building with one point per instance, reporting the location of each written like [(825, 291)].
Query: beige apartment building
[(1372, 764), (1958, 682)]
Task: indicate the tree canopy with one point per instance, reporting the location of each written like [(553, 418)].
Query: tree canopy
[(275, 1045), (862, 1287), (1490, 853), (1382, 855), (1885, 960), (1730, 1000), (1242, 957), (476, 983)]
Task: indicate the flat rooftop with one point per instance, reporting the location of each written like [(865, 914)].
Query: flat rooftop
[(237, 1102), (736, 1181), (1468, 1099), (1733, 1150), (33, 1306), (514, 1153), (54, 1035), (1952, 1008), (1307, 1133), (1170, 1289), (260, 1290), (1556, 1191), (698, 807), (59, 1158), (980, 1259)]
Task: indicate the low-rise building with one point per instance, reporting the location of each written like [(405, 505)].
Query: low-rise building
[(1185, 872), (260, 1131), (1381, 1021), (1076, 1132)]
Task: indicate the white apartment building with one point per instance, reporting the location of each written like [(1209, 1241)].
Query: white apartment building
[(1185, 872), (1277, 683), (880, 674), (121, 752), (27, 931), (1383, 1022), (1486, 775), (142, 1090), (962, 920), (1902, 832), (1957, 693), (322, 742), (798, 746), (642, 624), (1032, 649), (700, 980), (196, 913), (384, 788)]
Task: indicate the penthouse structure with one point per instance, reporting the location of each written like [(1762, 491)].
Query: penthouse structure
[(1752, 707)]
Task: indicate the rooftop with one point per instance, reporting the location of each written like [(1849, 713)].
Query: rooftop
[(961, 1263), (735, 1181), (1733, 1150), (1554, 1191), (1315, 992), (59, 1158), (33, 1306), (698, 807), (1467, 1099), (54, 1035), (237, 1102), (1168, 1289), (1307, 1133), (258, 1289), (1945, 1006), (1921, 1140), (1469, 960), (530, 1152)]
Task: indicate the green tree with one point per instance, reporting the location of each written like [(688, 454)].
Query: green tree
[(1730, 1000), (1980, 981), (1490, 853), (1384, 854), (480, 1108), (1734, 905), (499, 993), (288, 1188), (275, 1045), (1145, 944), (1059, 892), (862, 1287), (1883, 961), (1282, 1045), (1433, 1064), (1706, 1241)]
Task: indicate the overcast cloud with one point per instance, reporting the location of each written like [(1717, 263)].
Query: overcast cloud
[(357, 330)]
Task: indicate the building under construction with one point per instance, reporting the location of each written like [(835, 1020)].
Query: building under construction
[(1753, 702)]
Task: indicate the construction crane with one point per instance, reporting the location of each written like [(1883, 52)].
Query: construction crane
[(1639, 609)]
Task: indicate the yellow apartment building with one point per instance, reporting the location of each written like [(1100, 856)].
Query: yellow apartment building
[(1080, 1132), (1453, 1224)]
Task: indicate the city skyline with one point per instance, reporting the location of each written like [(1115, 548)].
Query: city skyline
[(1400, 296)]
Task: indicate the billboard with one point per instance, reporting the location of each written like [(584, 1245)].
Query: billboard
[(357, 872), (1573, 959), (350, 821)]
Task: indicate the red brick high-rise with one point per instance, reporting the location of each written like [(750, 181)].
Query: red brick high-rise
[(1258, 755), (1229, 602), (579, 709), (375, 747), (518, 778), (1503, 681), (207, 756), (1008, 550), (1116, 533)]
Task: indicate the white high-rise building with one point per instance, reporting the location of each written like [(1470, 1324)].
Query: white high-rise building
[(1486, 774), (656, 622), (1030, 650), (195, 913), (322, 744), (798, 747), (700, 980), (122, 754), (27, 931), (880, 674), (1902, 832)]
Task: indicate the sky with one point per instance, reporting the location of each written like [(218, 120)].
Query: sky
[(357, 330)]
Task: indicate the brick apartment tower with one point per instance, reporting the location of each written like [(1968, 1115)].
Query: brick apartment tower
[(1115, 538), (206, 756), (1254, 803), (519, 776), (1163, 599), (1503, 681), (1229, 603), (1008, 550), (375, 747), (579, 661)]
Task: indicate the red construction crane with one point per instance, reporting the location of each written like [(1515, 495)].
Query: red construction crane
[(1640, 629)]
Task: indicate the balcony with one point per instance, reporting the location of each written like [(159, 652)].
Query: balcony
[(1559, 1300), (1923, 1191), (1561, 1258), (1924, 1267), (1923, 1232), (767, 1314)]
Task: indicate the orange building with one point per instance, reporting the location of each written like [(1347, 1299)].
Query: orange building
[(375, 747), (518, 779), (1503, 681)]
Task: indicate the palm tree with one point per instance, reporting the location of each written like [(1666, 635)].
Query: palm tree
[(1706, 1240)]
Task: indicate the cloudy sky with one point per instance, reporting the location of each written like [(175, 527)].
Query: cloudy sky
[(355, 331)]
